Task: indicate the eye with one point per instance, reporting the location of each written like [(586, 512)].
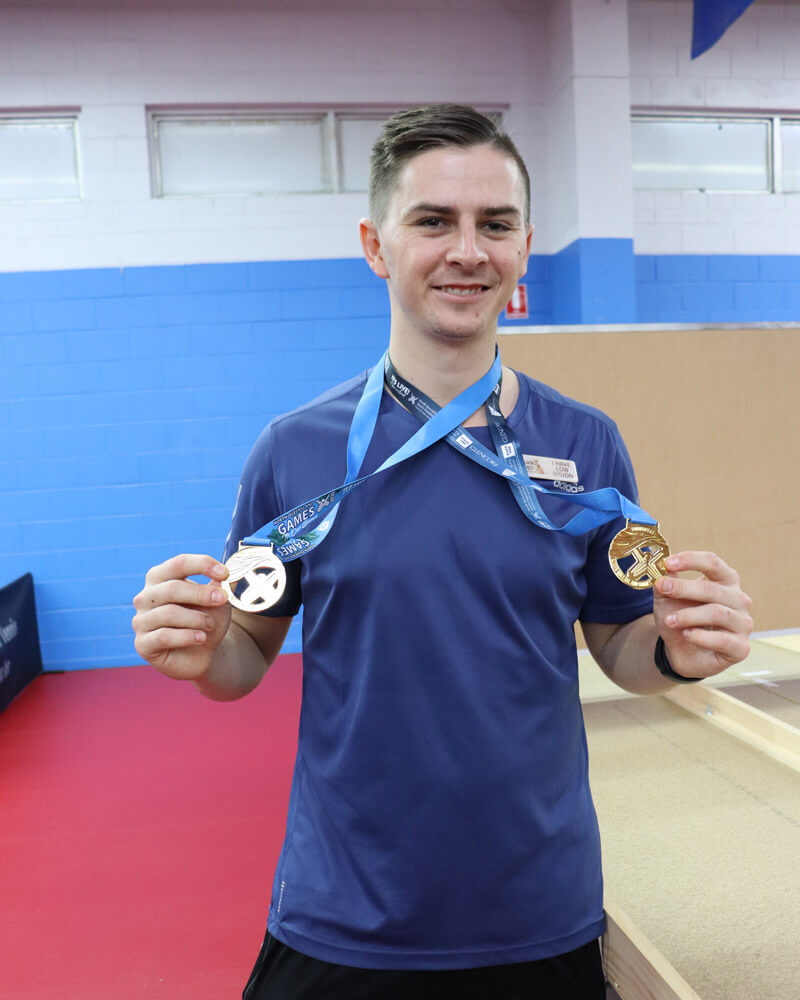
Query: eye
[(431, 222), (498, 227)]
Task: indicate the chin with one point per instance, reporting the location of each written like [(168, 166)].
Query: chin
[(460, 333)]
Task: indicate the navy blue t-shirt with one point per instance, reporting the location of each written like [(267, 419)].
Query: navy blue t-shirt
[(440, 814)]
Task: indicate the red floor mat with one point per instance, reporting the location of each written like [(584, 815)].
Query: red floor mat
[(140, 829)]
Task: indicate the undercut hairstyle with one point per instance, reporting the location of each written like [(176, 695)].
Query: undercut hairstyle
[(417, 130)]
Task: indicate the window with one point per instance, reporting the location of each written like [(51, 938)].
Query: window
[(701, 154), (790, 156), (239, 155), (39, 157), (355, 139), (211, 152)]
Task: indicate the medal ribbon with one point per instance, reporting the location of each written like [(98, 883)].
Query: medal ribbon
[(599, 506), (301, 529), (295, 532)]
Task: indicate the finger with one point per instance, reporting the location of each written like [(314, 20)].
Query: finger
[(704, 591), (173, 616), (163, 640), (707, 563), (712, 616), (731, 646), (185, 565), (179, 592)]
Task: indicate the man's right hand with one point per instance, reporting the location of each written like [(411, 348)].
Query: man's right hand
[(178, 623)]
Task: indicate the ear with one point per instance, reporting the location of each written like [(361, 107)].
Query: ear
[(371, 244), (524, 261)]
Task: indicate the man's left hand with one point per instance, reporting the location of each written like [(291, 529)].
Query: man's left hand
[(705, 622)]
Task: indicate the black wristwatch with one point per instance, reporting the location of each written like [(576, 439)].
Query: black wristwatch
[(664, 666)]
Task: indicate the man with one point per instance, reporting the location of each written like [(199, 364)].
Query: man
[(440, 832)]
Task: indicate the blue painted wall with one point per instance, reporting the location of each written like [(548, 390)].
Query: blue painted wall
[(593, 281), (727, 288), (129, 399)]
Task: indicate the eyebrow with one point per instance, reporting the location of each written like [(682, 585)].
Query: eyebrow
[(492, 210), (502, 210)]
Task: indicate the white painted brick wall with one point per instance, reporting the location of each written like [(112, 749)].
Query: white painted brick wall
[(600, 40), (588, 132), (113, 58), (755, 66)]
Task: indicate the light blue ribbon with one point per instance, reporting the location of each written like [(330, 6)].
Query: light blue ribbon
[(302, 528), (296, 532)]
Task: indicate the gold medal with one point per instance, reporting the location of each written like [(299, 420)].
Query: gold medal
[(256, 578), (647, 547)]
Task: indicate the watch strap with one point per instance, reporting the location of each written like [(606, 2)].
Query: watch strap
[(665, 667)]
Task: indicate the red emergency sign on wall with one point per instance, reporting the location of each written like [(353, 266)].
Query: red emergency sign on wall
[(517, 308)]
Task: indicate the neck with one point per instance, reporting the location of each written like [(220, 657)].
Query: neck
[(444, 370), (440, 368)]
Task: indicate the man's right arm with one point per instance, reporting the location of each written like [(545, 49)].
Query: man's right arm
[(244, 656), (186, 630)]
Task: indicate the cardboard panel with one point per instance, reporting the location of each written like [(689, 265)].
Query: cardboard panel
[(711, 420)]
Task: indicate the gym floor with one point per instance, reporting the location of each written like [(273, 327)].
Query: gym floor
[(142, 824)]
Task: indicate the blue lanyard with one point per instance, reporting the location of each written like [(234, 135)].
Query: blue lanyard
[(302, 528), (599, 506)]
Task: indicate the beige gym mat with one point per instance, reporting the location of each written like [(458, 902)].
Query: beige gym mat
[(701, 844)]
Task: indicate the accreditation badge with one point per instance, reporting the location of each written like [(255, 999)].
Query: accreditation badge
[(637, 555), (256, 578), (563, 470)]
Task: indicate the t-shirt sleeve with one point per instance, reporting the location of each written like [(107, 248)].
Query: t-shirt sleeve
[(257, 503), (608, 600)]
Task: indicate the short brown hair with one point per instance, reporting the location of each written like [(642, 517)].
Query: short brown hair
[(416, 130)]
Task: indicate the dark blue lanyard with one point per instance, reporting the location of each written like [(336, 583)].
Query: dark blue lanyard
[(301, 529), (599, 506)]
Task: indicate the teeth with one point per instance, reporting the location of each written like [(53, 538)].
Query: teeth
[(455, 290)]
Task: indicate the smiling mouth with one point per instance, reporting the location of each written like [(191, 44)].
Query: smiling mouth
[(463, 291)]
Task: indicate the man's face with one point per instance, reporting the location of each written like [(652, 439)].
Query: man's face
[(454, 242)]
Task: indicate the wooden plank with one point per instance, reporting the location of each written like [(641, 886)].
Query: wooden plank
[(634, 966), (762, 731)]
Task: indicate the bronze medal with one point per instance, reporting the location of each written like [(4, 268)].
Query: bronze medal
[(256, 578), (647, 547)]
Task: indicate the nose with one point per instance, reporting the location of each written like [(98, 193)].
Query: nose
[(466, 248)]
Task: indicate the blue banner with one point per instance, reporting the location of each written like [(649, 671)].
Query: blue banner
[(712, 18), (20, 656)]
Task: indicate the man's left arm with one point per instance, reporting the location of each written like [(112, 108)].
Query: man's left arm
[(705, 624)]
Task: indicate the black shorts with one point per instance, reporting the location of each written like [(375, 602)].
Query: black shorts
[(284, 974)]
